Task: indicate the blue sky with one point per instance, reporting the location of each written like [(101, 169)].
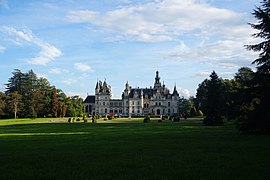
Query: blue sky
[(74, 43)]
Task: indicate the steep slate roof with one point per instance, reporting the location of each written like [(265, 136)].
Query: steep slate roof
[(90, 99), (149, 92)]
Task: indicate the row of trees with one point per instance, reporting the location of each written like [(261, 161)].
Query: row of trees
[(245, 98), (29, 96)]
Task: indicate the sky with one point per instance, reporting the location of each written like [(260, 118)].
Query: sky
[(74, 43)]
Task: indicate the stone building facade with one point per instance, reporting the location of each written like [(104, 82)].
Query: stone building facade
[(135, 101)]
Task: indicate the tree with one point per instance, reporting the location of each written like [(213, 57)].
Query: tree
[(185, 106), (54, 103), (214, 104), (255, 114), (2, 104), (201, 96), (15, 102)]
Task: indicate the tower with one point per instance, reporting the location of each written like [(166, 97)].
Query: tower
[(157, 83)]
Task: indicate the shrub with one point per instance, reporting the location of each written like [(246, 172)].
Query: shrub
[(85, 120), (94, 120), (176, 119), (147, 119), (110, 117), (200, 113)]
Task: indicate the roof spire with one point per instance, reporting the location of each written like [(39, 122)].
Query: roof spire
[(175, 90)]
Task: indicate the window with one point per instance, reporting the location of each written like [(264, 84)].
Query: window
[(138, 111), (105, 110), (159, 103), (169, 111), (144, 105), (169, 104), (138, 102), (156, 103), (132, 102), (103, 103)]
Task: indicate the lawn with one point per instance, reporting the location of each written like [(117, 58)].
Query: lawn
[(55, 149)]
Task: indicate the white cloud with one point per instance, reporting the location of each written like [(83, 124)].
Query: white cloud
[(42, 76), (70, 81), (2, 49), (162, 20), (224, 75), (184, 92), (223, 53), (58, 71), (2, 88), (82, 67), (47, 52), (80, 94), (203, 74)]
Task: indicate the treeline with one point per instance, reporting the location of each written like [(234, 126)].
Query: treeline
[(246, 97), (28, 96), (245, 100)]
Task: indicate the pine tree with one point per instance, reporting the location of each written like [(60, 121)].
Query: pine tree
[(256, 118), (213, 101)]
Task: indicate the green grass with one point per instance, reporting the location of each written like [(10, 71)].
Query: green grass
[(51, 149)]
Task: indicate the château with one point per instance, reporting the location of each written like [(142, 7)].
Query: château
[(134, 102)]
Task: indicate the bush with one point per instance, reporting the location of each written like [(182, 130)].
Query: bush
[(176, 119), (200, 113), (147, 119), (110, 117), (85, 120), (94, 120)]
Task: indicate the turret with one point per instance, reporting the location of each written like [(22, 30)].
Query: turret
[(97, 88), (127, 89), (157, 83)]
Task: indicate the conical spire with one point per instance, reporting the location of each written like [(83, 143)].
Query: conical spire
[(97, 86), (175, 91)]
